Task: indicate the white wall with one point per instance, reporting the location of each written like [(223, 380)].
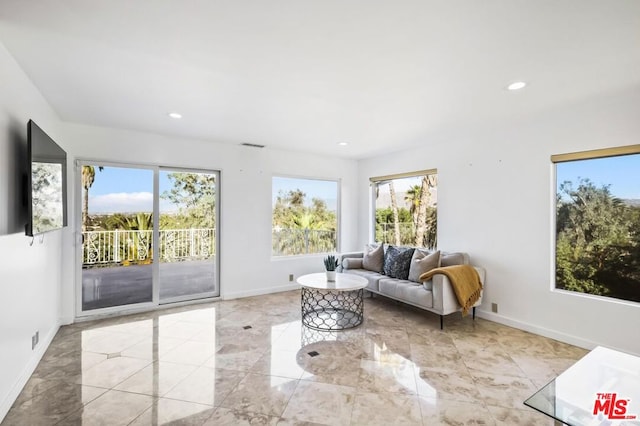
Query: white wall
[(245, 226), (495, 200), (30, 276)]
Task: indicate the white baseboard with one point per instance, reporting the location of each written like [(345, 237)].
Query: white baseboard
[(260, 291), (542, 331), (66, 320), (28, 370)]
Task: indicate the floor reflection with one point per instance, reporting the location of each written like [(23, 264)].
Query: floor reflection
[(250, 361)]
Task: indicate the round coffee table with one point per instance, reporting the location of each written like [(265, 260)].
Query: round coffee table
[(332, 305)]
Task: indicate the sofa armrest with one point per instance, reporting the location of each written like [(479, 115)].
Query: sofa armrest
[(444, 298)]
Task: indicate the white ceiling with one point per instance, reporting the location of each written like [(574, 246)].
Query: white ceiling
[(305, 75)]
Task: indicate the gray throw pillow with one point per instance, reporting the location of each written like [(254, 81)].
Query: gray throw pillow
[(422, 262), (397, 261), (373, 259), (352, 263)]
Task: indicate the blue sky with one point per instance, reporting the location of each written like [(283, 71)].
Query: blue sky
[(127, 190), (622, 173)]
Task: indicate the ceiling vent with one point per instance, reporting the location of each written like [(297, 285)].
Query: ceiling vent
[(253, 145)]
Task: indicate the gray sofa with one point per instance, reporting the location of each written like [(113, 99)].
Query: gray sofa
[(435, 295)]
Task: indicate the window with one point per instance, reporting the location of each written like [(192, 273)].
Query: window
[(304, 216), (406, 208), (598, 222)]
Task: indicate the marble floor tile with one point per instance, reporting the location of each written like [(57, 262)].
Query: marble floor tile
[(321, 403), (190, 352), (261, 394), (107, 342), (235, 356), (540, 370), (446, 385), (156, 379), (503, 391), (34, 387), (184, 329), (175, 413), (386, 409), (113, 408), (492, 361), (206, 386), (279, 363), (52, 405), (250, 361), (396, 377), (111, 371), (444, 412), (331, 369), (226, 417), (152, 348), (516, 417), (444, 358)]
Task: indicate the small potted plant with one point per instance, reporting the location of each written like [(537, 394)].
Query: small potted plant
[(330, 265)]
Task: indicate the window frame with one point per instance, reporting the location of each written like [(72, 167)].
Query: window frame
[(378, 180), (571, 157), (338, 212)]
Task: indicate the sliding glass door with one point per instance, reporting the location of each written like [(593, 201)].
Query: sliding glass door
[(148, 236), (187, 235)]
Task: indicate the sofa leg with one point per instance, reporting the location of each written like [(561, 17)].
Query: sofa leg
[(474, 313), (441, 322)]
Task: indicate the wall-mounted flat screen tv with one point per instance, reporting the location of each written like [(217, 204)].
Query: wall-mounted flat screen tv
[(46, 182)]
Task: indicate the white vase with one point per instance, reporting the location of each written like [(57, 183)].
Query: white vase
[(331, 275)]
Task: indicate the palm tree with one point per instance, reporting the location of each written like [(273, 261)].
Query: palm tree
[(428, 182), (88, 176), (137, 247), (412, 196), (394, 209)]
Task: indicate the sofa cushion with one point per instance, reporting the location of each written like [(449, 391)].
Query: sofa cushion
[(373, 259), (352, 263), (397, 261), (406, 291), (422, 262), (372, 278)]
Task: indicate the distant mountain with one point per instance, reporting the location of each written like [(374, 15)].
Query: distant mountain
[(633, 202)]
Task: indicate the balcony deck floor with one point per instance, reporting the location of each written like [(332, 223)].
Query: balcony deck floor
[(126, 285)]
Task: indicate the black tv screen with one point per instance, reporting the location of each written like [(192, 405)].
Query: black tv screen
[(46, 182)]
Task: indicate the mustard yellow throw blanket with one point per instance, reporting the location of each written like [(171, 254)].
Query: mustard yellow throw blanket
[(464, 280)]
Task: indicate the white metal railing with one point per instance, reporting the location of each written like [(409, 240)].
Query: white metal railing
[(286, 242), (101, 248)]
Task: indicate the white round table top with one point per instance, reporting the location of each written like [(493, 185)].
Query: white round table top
[(343, 282)]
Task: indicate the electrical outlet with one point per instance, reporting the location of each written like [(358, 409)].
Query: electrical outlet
[(35, 339), (494, 308), (290, 277)]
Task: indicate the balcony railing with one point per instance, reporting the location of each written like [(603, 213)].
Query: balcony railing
[(123, 247), (288, 242), (102, 248)]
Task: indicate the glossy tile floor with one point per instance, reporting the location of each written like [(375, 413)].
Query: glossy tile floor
[(249, 361)]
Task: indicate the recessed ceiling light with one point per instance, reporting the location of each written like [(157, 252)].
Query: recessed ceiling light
[(517, 85), (343, 143), (175, 115)]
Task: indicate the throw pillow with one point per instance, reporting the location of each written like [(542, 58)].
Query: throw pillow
[(397, 261), (373, 259), (422, 262), (352, 263)]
